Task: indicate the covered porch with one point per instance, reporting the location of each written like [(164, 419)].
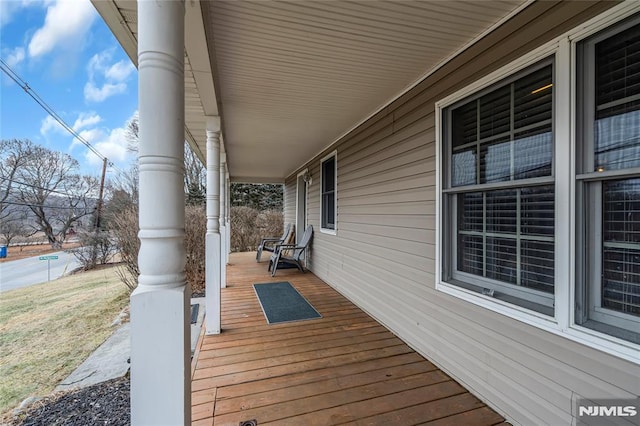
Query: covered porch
[(350, 105), (343, 368)]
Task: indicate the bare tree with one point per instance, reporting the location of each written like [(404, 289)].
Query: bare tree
[(195, 231), (124, 227), (14, 154), (13, 225), (96, 248), (121, 213), (195, 176), (48, 185), (132, 133), (122, 189)]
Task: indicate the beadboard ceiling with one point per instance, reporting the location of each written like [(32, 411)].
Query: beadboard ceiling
[(289, 78)]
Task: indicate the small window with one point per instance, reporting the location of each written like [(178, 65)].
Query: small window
[(608, 182), (499, 193), (328, 189)]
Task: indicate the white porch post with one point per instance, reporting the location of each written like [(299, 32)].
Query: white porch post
[(213, 241), (160, 341), (223, 221)]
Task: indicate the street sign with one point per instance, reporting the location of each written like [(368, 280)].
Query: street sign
[(48, 258)]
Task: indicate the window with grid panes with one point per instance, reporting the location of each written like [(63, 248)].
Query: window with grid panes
[(498, 193), (608, 182)]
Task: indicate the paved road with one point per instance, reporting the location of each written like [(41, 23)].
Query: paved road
[(26, 272)]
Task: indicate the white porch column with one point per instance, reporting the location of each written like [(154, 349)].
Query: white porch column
[(160, 332), (213, 241), (223, 221)]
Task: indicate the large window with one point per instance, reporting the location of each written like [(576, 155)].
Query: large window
[(608, 182), (539, 178), (328, 193), (500, 190)]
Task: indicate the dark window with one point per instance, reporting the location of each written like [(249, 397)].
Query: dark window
[(329, 193)]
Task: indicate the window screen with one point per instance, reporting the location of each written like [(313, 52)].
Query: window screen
[(608, 285), (501, 188)]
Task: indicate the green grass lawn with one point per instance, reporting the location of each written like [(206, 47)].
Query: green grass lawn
[(48, 329)]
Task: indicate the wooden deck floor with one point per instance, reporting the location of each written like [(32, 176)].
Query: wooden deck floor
[(342, 368)]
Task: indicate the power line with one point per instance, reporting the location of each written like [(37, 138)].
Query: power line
[(35, 186), (34, 95), (44, 206)]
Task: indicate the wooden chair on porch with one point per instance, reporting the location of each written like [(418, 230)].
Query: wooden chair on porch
[(291, 254), (269, 243)]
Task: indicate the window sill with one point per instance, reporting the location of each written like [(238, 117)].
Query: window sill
[(328, 231)]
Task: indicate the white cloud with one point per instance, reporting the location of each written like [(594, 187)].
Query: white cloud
[(86, 119), (89, 135), (50, 125), (15, 56), (65, 25), (113, 146), (92, 136), (112, 143), (8, 9), (120, 71), (112, 76), (92, 93), (98, 63)]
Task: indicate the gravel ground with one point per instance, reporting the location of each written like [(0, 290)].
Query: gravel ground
[(106, 403)]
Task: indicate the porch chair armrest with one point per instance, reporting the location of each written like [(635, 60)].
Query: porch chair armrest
[(287, 247), (270, 240)]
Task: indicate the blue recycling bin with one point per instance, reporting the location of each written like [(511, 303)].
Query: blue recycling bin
[(3, 252)]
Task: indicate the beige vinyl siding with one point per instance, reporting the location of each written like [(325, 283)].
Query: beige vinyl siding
[(313, 209), (383, 256), (289, 200)]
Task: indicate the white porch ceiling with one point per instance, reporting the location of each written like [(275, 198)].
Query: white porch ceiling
[(294, 76)]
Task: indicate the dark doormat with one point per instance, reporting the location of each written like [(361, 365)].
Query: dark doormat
[(282, 303)]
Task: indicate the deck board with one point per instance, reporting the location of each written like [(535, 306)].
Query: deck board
[(341, 368)]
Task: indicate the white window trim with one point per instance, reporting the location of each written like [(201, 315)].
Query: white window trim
[(329, 231), (306, 199), (563, 323)]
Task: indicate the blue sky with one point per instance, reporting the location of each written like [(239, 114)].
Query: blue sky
[(68, 56)]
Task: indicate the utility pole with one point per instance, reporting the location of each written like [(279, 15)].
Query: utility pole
[(99, 207)]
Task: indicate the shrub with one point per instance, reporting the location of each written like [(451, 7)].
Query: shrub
[(96, 248), (243, 228), (125, 232), (124, 226), (269, 224), (248, 226), (194, 244)]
